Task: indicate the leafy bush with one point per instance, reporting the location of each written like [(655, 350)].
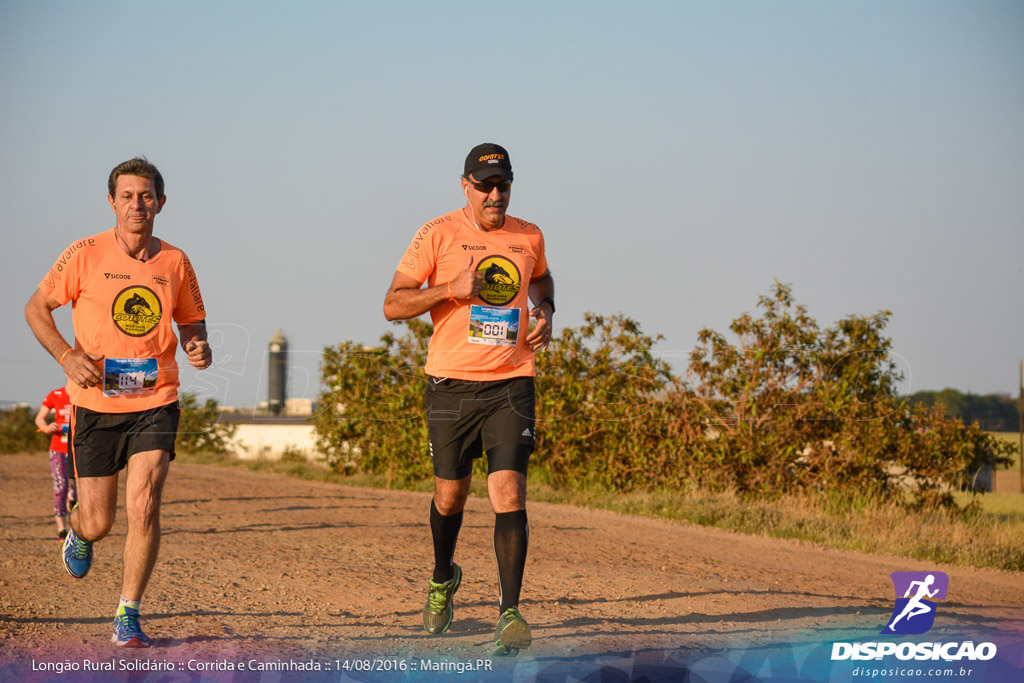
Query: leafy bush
[(786, 408), (18, 432), (200, 429), (609, 411), (796, 408), (373, 418)]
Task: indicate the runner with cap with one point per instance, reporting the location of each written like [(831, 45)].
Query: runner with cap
[(482, 270)]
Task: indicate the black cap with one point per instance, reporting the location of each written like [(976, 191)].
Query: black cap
[(487, 160)]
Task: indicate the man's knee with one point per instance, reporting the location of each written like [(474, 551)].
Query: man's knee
[(450, 495), (94, 522), (507, 490)]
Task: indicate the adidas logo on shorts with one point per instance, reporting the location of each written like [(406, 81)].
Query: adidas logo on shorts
[(527, 432)]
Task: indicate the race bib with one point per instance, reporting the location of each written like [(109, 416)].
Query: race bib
[(493, 325), (129, 376)]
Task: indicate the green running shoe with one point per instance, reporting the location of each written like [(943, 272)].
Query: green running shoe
[(437, 615), (512, 635)]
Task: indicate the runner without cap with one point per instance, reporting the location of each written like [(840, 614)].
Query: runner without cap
[(482, 269), (126, 287), (58, 403)]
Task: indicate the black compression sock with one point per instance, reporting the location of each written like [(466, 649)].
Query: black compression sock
[(511, 538), (445, 530)]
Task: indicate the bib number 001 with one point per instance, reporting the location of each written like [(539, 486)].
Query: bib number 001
[(493, 325), (496, 330)]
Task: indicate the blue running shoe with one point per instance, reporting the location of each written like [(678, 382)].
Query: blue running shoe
[(127, 632), (77, 555)]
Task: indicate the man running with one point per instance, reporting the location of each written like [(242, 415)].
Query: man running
[(482, 269), (126, 286)]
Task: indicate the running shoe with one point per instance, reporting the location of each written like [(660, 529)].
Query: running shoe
[(77, 555), (62, 534), (512, 634), (127, 632), (437, 615)]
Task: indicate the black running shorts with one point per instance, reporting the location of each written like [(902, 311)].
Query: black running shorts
[(466, 419), (101, 443)]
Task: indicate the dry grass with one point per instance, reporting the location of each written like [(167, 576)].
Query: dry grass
[(982, 539), (989, 537)]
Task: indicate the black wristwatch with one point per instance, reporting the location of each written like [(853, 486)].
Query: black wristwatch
[(549, 300)]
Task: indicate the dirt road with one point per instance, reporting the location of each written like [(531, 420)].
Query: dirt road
[(264, 566)]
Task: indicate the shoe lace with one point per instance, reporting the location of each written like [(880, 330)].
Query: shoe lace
[(511, 614), (129, 624), (437, 597), (80, 551)]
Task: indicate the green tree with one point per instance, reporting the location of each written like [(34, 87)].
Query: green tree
[(786, 407), (609, 411), (992, 412), (18, 432), (795, 407), (372, 417), (200, 429)]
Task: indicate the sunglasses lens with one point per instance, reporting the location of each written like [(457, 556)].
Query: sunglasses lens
[(503, 186)]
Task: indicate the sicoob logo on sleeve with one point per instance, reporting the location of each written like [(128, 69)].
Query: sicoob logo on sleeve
[(501, 280), (136, 310)]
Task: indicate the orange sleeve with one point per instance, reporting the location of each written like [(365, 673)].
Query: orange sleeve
[(420, 259), (63, 282), (189, 307)]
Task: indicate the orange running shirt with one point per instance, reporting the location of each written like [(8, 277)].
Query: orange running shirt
[(122, 308), (483, 338), (57, 401)]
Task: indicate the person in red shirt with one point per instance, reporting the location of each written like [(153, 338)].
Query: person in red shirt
[(58, 403), (482, 268), (126, 287)]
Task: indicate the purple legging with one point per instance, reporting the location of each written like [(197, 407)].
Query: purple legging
[(59, 470)]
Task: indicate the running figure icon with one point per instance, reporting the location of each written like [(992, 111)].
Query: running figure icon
[(915, 606)]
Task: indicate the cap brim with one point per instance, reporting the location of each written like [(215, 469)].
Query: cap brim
[(485, 173)]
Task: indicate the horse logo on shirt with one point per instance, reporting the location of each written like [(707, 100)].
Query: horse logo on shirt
[(137, 306), (136, 310), (502, 280), (496, 275)]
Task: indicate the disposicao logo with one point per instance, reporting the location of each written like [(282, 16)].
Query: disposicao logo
[(914, 612), (917, 595)]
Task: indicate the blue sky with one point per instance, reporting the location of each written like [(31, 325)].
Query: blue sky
[(679, 156)]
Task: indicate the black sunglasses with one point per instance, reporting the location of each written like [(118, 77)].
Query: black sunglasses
[(486, 187)]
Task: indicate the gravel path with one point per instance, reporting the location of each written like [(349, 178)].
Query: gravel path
[(258, 565)]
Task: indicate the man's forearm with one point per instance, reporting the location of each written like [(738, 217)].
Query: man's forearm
[(541, 289), (402, 304), (192, 332), (40, 319)]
